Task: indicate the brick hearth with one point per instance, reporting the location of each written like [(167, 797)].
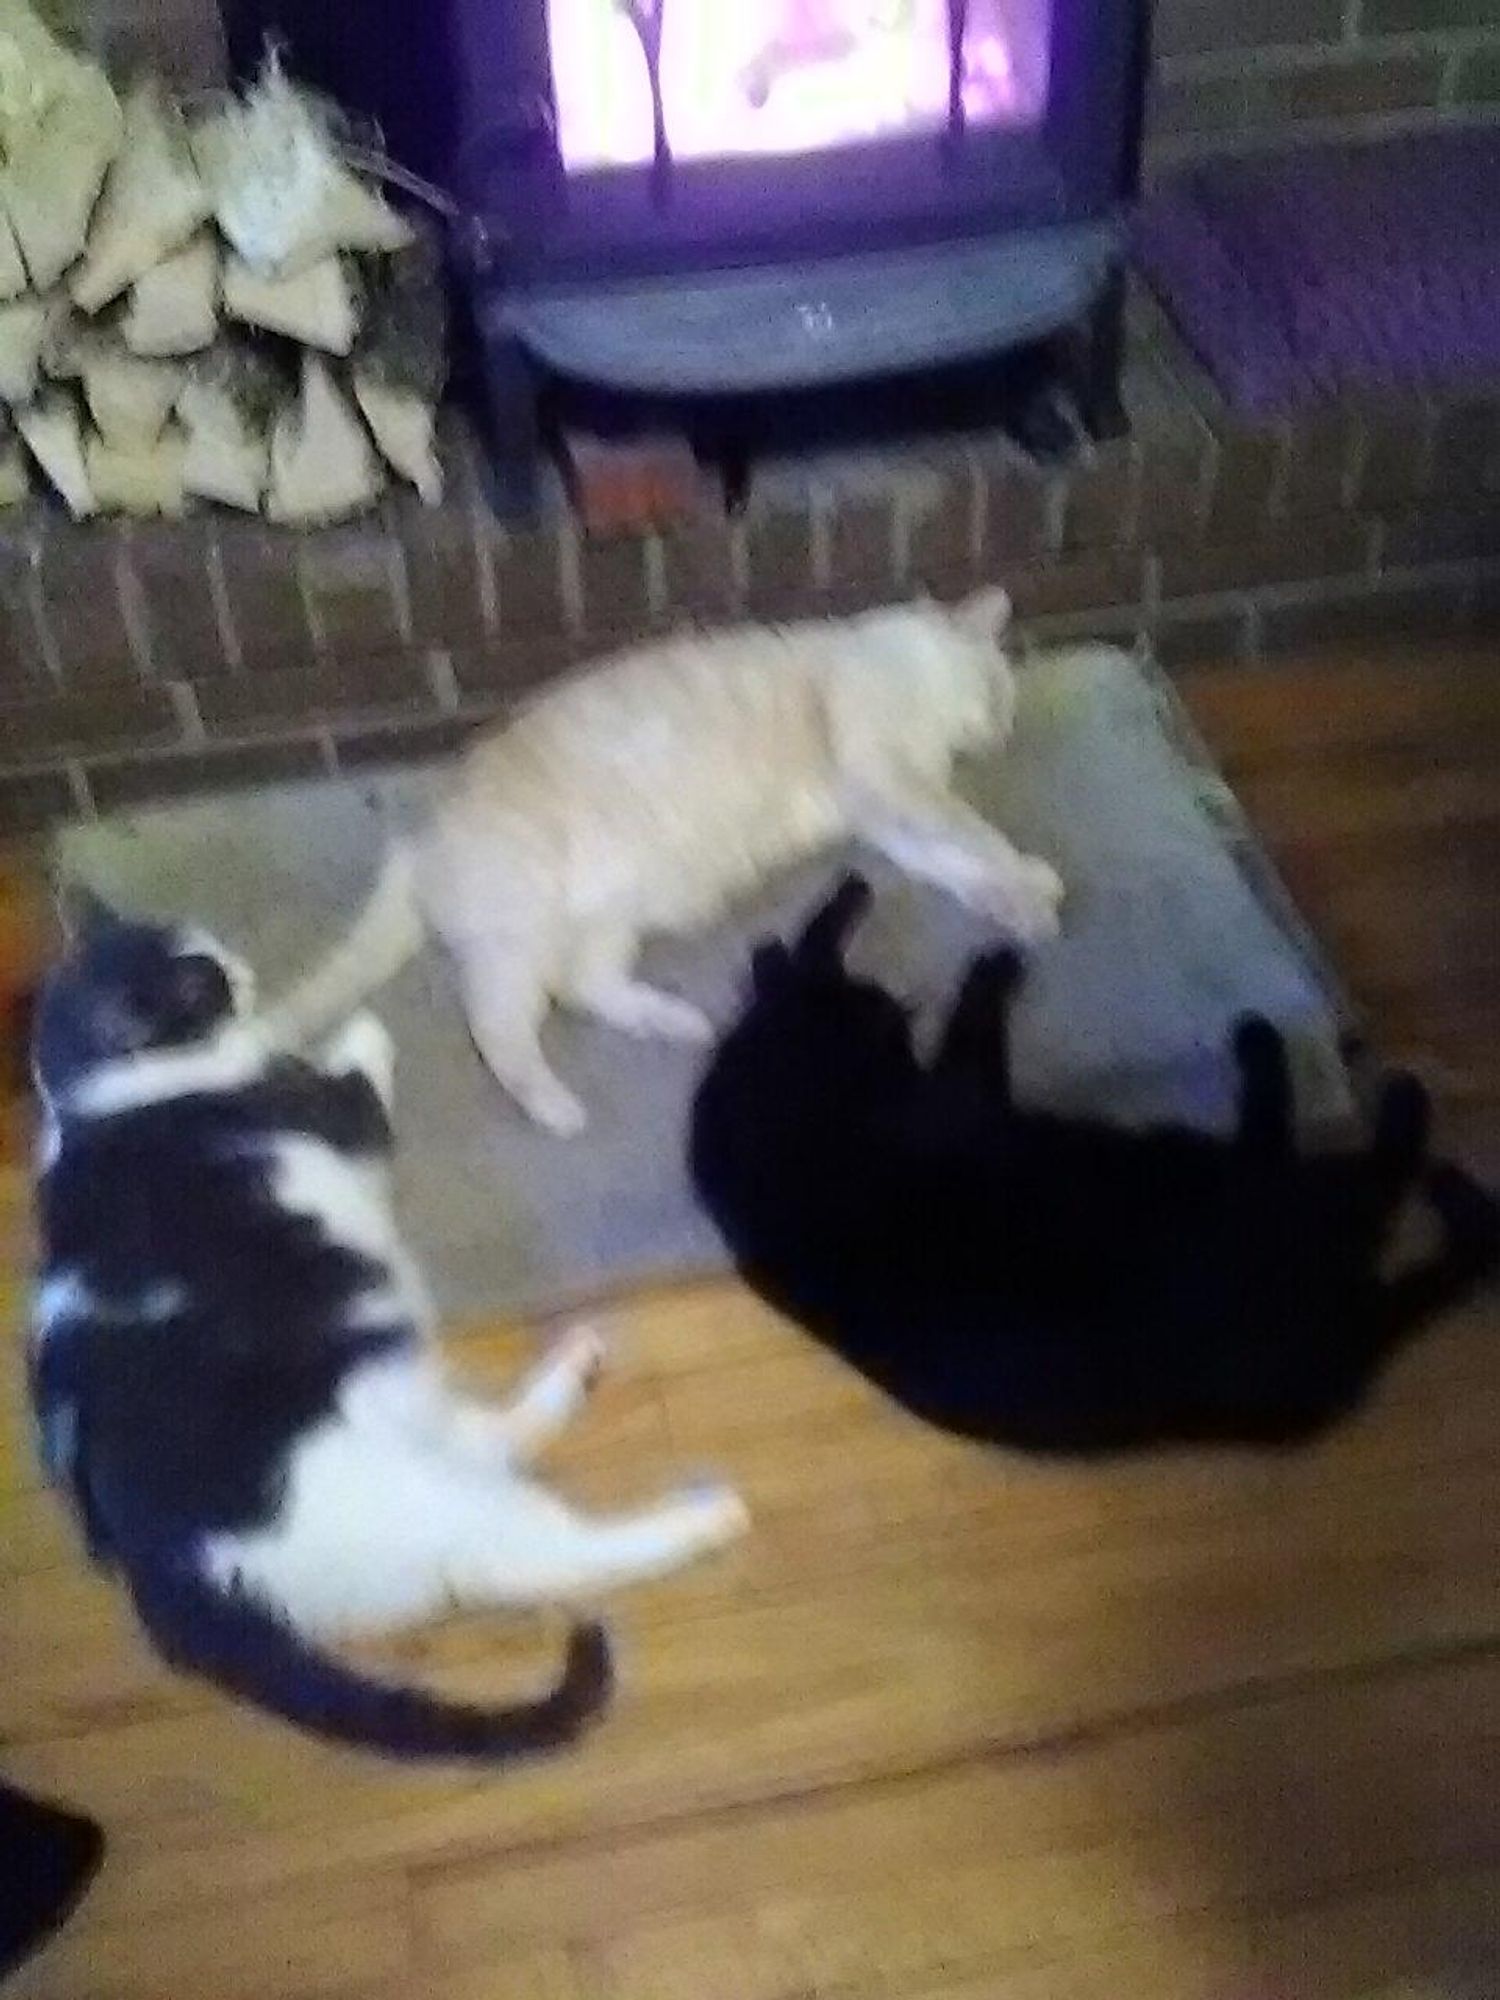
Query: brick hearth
[(138, 662), (144, 661)]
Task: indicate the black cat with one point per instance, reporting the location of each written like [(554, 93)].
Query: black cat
[(1058, 1283)]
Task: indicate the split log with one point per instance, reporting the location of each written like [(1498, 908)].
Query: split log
[(60, 128), (138, 478), (226, 411), (54, 437), (23, 332), (154, 200), (12, 264), (322, 465), (315, 306), (281, 192), (174, 309), (15, 477), (399, 366), (402, 426), (129, 399)]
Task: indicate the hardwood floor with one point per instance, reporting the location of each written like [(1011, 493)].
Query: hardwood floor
[(947, 1726)]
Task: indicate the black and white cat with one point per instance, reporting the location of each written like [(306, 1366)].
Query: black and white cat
[(1059, 1284), (235, 1373)]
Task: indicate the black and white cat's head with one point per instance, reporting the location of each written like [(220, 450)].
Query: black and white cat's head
[(125, 989)]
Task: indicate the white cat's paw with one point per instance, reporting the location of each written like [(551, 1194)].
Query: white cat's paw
[(661, 1017), (1042, 880), (554, 1107), (1026, 902)]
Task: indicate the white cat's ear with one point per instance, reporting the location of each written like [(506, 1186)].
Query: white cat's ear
[(985, 613)]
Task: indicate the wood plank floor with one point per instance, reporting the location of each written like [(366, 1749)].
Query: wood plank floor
[(947, 1726)]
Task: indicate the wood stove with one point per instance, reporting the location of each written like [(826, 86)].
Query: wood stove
[(693, 198)]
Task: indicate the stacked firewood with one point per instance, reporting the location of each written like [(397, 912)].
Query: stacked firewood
[(202, 306)]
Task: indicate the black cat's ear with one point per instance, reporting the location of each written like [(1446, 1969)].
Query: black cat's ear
[(83, 913), (823, 941), (770, 967)]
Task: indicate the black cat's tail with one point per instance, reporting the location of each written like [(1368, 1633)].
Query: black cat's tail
[(226, 1638)]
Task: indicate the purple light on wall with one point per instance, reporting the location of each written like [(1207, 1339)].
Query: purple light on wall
[(783, 76)]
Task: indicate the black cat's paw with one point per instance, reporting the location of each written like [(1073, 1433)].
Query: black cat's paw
[(828, 930), (1258, 1044), (1470, 1214), (997, 972)]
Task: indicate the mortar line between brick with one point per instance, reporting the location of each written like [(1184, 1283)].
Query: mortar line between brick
[(1229, 65), (442, 680), (1135, 496), (1151, 588), (569, 558), (312, 615), (979, 515), (654, 564), (1447, 93), (1375, 553), (481, 534), (820, 507), (1281, 472), (78, 785), (1171, 153), (218, 591), (1208, 480), (1054, 514), (902, 503), (36, 598), (400, 586), (1354, 471), (1427, 449), (184, 699), (1255, 631), (739, 562), (1356, 583), (131, 599)]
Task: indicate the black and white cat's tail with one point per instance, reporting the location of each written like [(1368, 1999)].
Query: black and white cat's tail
[(226, 1638)]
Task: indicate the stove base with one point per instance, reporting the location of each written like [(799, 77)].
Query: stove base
[(714, 337)]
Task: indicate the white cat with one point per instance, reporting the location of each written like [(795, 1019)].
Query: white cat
[(235, 1375), (643, 795)]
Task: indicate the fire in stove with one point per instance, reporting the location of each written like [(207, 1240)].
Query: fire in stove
[(744, 77)]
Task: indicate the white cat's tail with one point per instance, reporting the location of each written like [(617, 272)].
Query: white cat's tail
[(246, 1650), (387, 932)]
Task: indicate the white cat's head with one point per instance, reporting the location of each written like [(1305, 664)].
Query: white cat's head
[(969, 669)]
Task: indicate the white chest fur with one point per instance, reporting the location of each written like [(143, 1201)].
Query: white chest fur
[(350, 1201)]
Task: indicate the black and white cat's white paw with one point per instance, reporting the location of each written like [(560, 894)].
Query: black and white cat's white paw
[(717, 1512), (579, 1356), (363, 1047)]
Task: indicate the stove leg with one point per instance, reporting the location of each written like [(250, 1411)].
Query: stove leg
[(1100, 362), (513, 395)]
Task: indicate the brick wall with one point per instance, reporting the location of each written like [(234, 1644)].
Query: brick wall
[(1253, 72), (141, 661)]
